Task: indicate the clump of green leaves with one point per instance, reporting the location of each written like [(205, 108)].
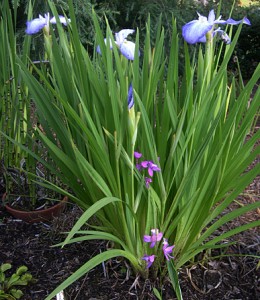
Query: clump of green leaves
[(193, 126), (8, 285)]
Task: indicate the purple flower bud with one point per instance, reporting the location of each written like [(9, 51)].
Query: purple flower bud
[(130, 98), (148, 180)]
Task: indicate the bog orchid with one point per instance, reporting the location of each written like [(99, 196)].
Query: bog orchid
[(195, 31), (150, 166), (149, 259), (146, 164), (35, 25), (127, 48), (155, 237), (167, 249)]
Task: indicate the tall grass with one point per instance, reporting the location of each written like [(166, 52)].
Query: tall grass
[(14, 106)]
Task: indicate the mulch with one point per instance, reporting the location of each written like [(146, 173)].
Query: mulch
[(232, 276)]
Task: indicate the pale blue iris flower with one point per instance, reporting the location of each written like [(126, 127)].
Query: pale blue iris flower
[(127, 48), (105, 41), (36, 25), (195, 31)]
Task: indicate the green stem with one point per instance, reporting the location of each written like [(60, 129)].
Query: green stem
[(209, 56)]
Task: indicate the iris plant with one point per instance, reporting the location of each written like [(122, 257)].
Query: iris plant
[(127, 48), (156, 237), (195, 31), (35, 25), (197, 122)]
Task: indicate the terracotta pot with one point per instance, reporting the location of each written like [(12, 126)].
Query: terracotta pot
[(37, 216)]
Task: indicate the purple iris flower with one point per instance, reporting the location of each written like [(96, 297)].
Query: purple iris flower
[(195, 31), (149, 259), (155, 237), (167, 249), (151, 166), (35, 25), (130, 97)]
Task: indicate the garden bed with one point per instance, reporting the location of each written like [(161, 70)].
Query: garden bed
[(234, 276)]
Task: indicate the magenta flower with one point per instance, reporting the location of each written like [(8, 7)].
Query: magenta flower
[(149, 259), (137, 154), (167, 249), (155, 237), (146, 164), (147, 180), (151, 166)]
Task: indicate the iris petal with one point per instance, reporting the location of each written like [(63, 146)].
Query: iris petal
[(122, 35), (35, 25), (62, 20), (195, 30), (105, 41), (127, 48), (202, 39), (220, 22), (234, 22), (211, 17)]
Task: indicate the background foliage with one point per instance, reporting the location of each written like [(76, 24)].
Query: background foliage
[(134, 13)]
